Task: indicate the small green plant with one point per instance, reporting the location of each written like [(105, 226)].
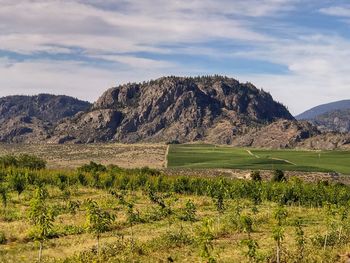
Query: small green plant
[(42, 217), (189, 212), (17, 182), (3, 195), (205, 241), (73, 207), (278, 232), (252, 246), (247, 225), (218, 193), (300, 240), (97, 220)]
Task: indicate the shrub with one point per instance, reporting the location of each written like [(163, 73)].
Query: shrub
[(31, 162), (173, 142), (189, 212), (2, 238), (278, 176), (92, 167), (255, 176)]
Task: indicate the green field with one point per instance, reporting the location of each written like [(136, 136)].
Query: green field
[(211, 156)]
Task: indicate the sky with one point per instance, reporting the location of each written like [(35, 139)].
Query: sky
[(298, 50)]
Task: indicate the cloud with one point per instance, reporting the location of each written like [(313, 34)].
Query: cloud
[(82, 47), (342, 11)]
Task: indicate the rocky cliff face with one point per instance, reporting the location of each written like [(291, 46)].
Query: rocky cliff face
[(31, 118), (337, 120), (281, 134), (331, 117), (216, 109)]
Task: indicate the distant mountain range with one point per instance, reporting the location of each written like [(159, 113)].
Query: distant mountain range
[(213, 109), (333, 116)]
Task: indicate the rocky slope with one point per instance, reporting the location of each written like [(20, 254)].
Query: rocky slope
[(215, 109), (281, 134), (337, 120), (332, 117), (31, 118), (207, 109)]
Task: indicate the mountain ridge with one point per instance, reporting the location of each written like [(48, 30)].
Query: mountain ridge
[(174, 108), (214, 109)]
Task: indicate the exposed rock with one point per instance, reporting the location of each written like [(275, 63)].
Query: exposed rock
[(174, 108), (22, 129), (26, 119), (338, 120), (280, 134), (327, 141), (331, 117), (45, 107)]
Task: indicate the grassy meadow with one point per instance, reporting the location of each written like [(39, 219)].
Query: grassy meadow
[(212, 156)]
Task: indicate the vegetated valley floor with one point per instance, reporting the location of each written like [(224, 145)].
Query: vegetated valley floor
[(184, 156), (67, 156), (213, 156)]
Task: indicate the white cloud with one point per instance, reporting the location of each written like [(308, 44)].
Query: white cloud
[(69, 77), (343, 11), (114, 30)]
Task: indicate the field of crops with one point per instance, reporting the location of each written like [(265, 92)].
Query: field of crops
[(211, 156), (98, 213), (108, 214)]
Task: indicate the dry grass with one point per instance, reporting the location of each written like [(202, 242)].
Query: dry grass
[(69, 156)]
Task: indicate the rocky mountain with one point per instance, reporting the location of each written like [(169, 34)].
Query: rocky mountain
[(281, 134), (322, 109), (212, 109), (327, 141), (337, 120), (216, 109), (31, 118), (330, 117)]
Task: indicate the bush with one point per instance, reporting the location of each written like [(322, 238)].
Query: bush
[(278, 176), (173, 142), (31, 162), (2, 238), (255, 176), (92, 167)]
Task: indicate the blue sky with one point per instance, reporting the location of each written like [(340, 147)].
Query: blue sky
[(297, 50)]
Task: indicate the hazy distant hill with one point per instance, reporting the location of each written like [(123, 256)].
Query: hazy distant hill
[(329, 117), (324, 108)]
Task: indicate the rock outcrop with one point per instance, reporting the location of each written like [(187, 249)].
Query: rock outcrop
[(216, 109), (281, 134), (31, 118)]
